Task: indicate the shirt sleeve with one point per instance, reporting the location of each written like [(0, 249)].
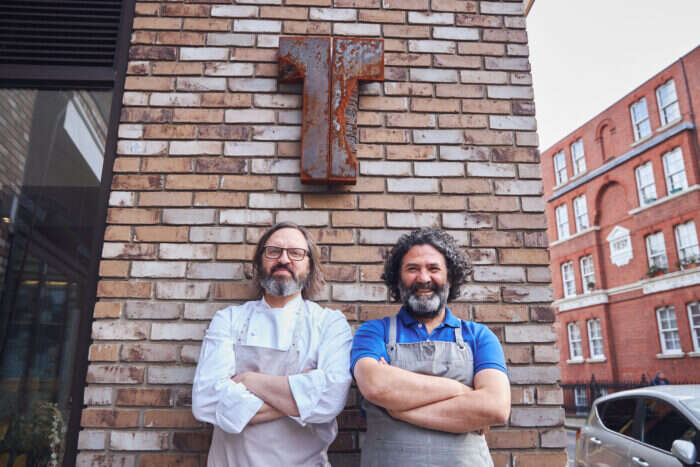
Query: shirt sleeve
[(320, 394), (216, 399), (369, 341), (488, 352)]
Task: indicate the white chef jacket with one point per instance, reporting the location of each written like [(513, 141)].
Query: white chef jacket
[(325, 342)]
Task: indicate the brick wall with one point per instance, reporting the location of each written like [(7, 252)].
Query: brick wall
[(208, 158)]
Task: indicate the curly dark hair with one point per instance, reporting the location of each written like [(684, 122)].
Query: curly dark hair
[(458, 264)]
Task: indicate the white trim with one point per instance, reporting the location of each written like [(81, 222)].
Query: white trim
[(694, 331), (575, 361), (636, 123), (577, 234), (662, 356), (591, 340), (661, 107), (664, 199), (674, 280), (581, 301), (693, 354), (671, 314), (596, 359), (669, 125)]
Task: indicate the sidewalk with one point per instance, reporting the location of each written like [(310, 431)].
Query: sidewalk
[(574, 423)]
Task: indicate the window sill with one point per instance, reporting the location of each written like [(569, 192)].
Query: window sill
[(642, 140), (575, 361), (670, 197), (596, 359), (694, 354), (577, 234), (662, 356), (669, 125)]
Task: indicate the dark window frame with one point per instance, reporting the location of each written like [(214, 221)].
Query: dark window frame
[(64, 77)]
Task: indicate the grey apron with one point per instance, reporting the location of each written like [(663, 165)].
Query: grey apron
[(391, 442), (281, 442)]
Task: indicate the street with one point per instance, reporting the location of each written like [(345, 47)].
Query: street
[(570, 446)]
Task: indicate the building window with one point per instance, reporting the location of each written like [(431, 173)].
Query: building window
[(562, 222), (577, 158), (587, 273), (595, 338), (567, 278), (581, 213), (645, 183), (674, 171), (620, 246), (656, 250), (687, 243), (560, 168), (580, 399), (640, 119), (668, 330), (668, 102), (694, 318), (575, 351)]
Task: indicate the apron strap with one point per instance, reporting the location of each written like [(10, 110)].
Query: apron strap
[(243, 328), (458, 337), (392, 334)]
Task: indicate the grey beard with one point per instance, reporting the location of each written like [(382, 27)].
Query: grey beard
[(281, 287), (422, 306)]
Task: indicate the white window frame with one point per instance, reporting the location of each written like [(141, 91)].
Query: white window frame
[(656, 250), (562, 215), (575, 348), (640, 123), (568, 280), (674, 171), (587, 272), (580, 397), (560, 175), (581, 213), (694, 310), (646, 185), (687, 242), (578, 158), (669, 112), (595, 338), (668, 331)]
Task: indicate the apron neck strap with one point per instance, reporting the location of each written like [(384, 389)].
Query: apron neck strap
[(392, 332), (458, 336)]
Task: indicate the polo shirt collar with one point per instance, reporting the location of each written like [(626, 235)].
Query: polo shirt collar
[(407, 320)]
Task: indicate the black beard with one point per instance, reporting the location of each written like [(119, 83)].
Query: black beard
[(420, 306), (281, 287)]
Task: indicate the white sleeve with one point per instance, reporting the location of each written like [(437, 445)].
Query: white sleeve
[(320, 394), (216, 399)]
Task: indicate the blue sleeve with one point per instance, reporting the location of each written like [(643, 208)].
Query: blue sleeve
[(369, 341), (488, 352)]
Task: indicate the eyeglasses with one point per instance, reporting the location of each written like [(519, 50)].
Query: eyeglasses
[(274, 252)]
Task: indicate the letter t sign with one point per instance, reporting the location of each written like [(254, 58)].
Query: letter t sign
[(329, 125)]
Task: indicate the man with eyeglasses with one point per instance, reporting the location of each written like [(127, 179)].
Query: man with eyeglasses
[(272, 373)]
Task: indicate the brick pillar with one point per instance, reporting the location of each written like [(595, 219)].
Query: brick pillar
[(208, 158)]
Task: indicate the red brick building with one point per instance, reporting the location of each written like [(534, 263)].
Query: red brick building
[(623, 211)]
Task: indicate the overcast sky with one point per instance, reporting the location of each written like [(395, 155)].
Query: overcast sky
[(587, 54)]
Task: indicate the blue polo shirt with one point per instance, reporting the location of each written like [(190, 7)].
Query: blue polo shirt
[(371, 339)]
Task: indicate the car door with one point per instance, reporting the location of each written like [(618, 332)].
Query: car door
[(662, 424), (608, 441)]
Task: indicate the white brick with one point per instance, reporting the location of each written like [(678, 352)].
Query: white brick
[(176, 99), (170, 375), (521, 78), (356, 29), (216, 234), (429, 46), (333, 14), (499, 274), (459, 34), (187, 148), (277, 133), (528, 333), (274, 200), (507, 63), (536, 416), (90, 440), (112, 330), (281, 101), (507, 122), (490, 169), (122, 198), (153, 310), (276, 166), (555, 438), (229, 69), (459, 153), (190, 353), (294, 185), (290, 117), (435, 76), (479, 293), (532, 204), (158, 269), (231, 11), (249, 116), (359, 293), (135, 98), (138, 441), (203, 53), (252, 84), (306, 218), (142, 148), (439, 169), (225, 38), (438, 136), (256, 25), (412, 185), (529, 171), (215, 271), (527, 139), (459, 220), (202, 311), (269, 41), (188, 216), (510, 92), (200, 84), (181, 291), (547, 353), (185, 251), (130, 131), (416, 17), (178, 331), (501, 8), (380, 237), (521, 50), (245, 148), (518, 187), (385, 168), (245, 216), (97, 395), (412, 220), (483, 77)]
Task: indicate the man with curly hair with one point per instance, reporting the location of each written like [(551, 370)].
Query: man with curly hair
[(273, 373), (431, 382)]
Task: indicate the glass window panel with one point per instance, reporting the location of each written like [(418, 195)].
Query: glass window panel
[(687, 241), (575, 350), (560, 168), (694, 318), (618, 415), (581, 213), (668, 103), (587, 273), (668, 330), (640, 119), (645, 183), (656, 250), (595, 338), (578, 158), (663, 424), (562, 221), (674, 171), (567, 275)]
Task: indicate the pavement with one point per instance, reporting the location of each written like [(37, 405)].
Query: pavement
[(572, 424)]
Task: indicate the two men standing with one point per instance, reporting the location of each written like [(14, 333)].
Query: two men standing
[(273, 373)]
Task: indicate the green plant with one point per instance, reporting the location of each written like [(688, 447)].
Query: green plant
[(39, 434), (655, 270)]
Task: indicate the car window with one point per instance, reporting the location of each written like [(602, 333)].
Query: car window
[(618, 415), (663, 424)]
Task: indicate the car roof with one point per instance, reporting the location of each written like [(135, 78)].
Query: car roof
[(687, 394)]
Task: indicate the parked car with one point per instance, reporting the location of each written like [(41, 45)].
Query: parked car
[(656, 426)]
